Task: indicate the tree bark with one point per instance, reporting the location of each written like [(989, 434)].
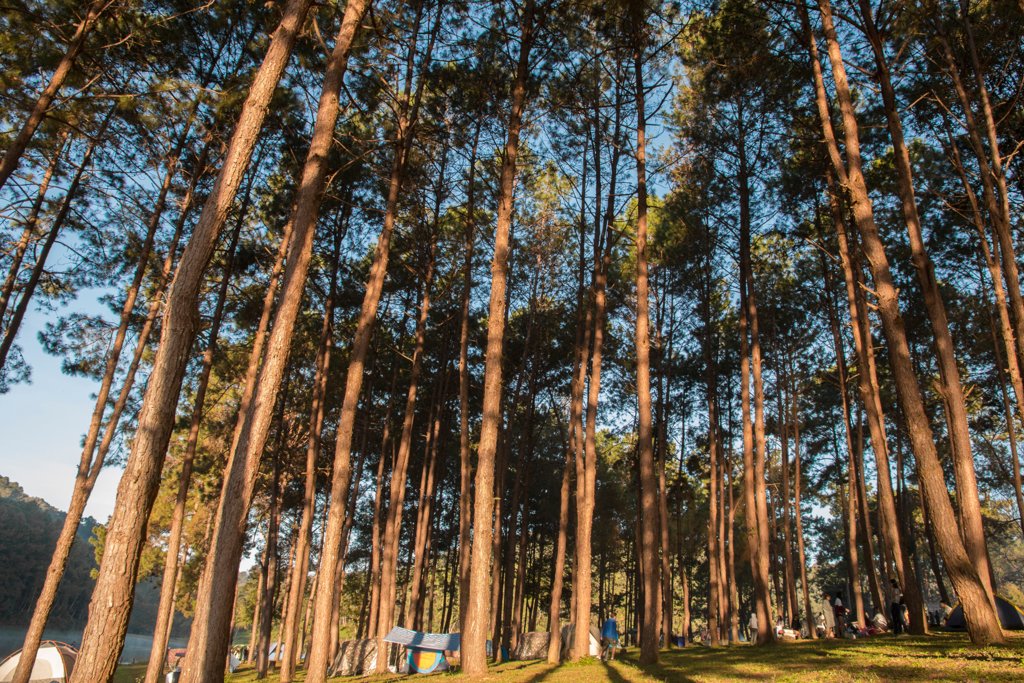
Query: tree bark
[(165, 612), (649, 532), (870, 395), (968, 501), (333, 536), (112, 597), (983, 626), (208, 642), (474, 653)]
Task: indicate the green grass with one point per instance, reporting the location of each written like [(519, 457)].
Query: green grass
[(941, 657), (127, 673)]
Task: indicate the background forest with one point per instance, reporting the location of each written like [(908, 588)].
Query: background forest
[(488, 316)]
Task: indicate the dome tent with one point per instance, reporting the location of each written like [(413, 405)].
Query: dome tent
[(1010, 616), (54, 662)]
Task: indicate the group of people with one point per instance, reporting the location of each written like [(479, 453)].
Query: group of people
[(834, 619)]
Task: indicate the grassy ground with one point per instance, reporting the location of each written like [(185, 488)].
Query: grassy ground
[(942, 657), (127, 673)]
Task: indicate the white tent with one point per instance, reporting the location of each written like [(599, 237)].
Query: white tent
[(53, 664), (355, 658), (568, 633)]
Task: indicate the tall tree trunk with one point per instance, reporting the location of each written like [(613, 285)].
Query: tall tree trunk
[(983, 626), (585, 508), (734, 595), (870, 395), (855, 508), (12, 156), (165, 612), (968, 500), (297, 588), (754, 451), (340, 479), (257, 610), (794, 423), (864, 511), (208, 644), (465, 455), (112, 597), (378, 512), (787, 536), (474, 653), (558, 575), (649, 533), (268, 600), (714, 608), (396, 504)]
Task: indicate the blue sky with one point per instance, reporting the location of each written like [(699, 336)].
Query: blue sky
[(42, 425)]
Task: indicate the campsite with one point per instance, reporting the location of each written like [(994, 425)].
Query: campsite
[(512, 340)]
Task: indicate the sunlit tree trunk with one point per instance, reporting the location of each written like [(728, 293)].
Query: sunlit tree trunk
[(968, 500), (342, 472), (870, 395), (474, 636), (165, 612), (983, 626), (208, 643), (112, 597), (648, 508)]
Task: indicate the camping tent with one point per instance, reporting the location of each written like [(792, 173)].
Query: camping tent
[(568, 632), (54, 663), (532, 645), (1010, 616), (355, 658)]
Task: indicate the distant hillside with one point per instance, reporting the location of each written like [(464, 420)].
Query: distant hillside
[(28, 533)]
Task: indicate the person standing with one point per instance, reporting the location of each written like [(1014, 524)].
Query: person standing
[(828, 615), (896, 610), (840, 613), (609, 638)]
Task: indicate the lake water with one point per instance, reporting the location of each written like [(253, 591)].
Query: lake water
[(136, 647)]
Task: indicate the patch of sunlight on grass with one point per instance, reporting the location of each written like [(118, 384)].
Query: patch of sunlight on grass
[(940, 657)]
